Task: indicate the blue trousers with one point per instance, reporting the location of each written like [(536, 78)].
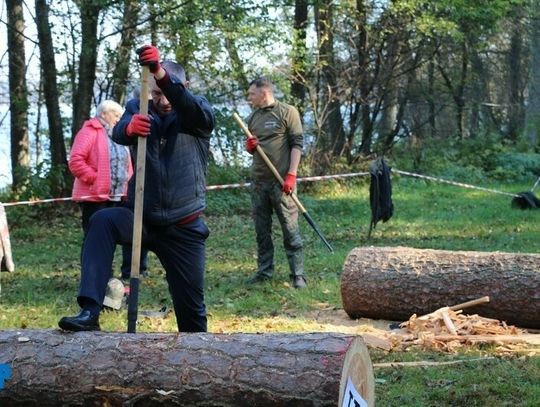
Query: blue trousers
[(88, 209), (179, 248)]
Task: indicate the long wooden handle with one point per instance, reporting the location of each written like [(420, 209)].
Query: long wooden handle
[(138, 210), (471, 303), (268, 162), (259, 149), (293, 196)]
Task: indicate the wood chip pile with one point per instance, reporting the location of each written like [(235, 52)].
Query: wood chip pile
[(448, 330)]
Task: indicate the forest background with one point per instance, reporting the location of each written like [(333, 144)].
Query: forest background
[(447, 87)]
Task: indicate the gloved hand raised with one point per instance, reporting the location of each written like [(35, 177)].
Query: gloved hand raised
[(251, 144), (149, 55), (289, 183), (139, 126)]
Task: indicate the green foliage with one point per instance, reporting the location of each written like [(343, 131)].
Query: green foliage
[(41, 181), (221, 202), (511, 165), (471, 160)]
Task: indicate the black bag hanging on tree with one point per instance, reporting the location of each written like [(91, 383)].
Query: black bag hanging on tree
[(527, 199), (380, 193)]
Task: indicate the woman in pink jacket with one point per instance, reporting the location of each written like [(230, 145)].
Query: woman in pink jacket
[(101, 167)]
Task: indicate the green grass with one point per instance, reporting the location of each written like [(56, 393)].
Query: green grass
[(46, 242)]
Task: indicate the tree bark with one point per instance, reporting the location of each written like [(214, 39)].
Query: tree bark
[(87, 64), (532, 125), (335, 133), (362, 46), (124, 50), (18, 93), (396, 282), (51, 368), (516, 111), (50, 88), (299, 54)]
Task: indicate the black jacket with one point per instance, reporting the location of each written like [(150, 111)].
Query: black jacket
[(176, 154)]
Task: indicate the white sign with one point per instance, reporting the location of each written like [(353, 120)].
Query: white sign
[(351, 397)]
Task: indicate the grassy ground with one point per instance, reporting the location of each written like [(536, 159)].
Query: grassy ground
[(46, 241)]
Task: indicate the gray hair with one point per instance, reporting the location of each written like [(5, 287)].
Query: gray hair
[(109, 106), (175, 69)]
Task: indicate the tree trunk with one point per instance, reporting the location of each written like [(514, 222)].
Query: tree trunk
[(51, 368), (299, 54), (395, 282), (18, 93), (237, 64), (389, 114), (532, 125), (515, 81), (335, 133), (48, 66), (362, 46), (124, 50), (87, 64)]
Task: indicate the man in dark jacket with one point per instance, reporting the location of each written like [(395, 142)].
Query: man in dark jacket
[(178, 129)]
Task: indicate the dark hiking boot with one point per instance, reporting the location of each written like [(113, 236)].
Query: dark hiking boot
[(299, 282), (85, 321), (257, 278)]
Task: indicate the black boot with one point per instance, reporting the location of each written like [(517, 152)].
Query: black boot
[(85, 321), (299, 282)]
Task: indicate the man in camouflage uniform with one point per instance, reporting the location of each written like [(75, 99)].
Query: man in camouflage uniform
[(278, 131)]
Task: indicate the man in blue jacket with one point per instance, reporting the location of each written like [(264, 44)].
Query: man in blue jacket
[(178, 129)]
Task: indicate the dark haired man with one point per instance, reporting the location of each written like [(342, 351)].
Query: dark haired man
[(278, 130), (178, 129)]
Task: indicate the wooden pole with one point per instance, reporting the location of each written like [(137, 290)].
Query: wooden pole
[(138, 210)]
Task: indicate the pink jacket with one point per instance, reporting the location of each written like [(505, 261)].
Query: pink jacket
[(89, 163)]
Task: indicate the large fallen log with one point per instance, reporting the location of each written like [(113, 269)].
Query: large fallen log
[(396, 282), (53, 368)]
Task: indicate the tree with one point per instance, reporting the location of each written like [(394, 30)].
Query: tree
[(124, 50), (334, 133), (18, 100), (50, 89), (516, 61), (82, 99), (532, 127), (299, 54)]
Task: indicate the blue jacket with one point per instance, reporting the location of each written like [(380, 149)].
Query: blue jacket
[(176, 154)]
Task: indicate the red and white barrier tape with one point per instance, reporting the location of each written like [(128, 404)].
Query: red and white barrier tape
[(303, 179), (208, 188), (459, 184)]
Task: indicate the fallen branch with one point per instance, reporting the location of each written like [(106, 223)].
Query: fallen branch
[(423, 363)]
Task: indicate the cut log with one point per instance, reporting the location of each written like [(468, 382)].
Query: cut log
[(396, 282), (52, 368)]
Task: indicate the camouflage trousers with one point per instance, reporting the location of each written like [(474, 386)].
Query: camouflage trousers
[(266, 198)]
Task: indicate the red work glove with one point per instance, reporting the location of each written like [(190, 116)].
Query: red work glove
[(289, 183), (139, 126), (251, 144), (149, 55)]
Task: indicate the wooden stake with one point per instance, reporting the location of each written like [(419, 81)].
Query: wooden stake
[(138, 210)]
